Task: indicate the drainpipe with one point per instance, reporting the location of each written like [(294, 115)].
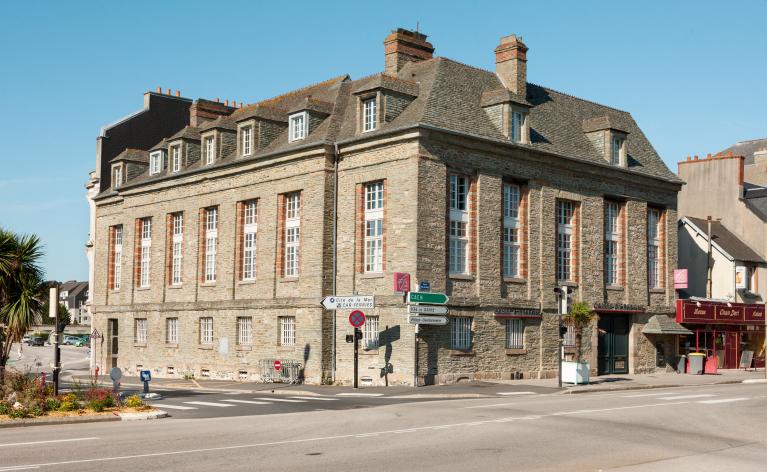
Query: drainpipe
[(335, 253), (708, 261)]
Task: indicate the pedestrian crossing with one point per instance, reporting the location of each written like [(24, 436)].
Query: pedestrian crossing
[(230, 402), (702, 398)]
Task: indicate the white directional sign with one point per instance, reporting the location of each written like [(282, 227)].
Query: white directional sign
[(348, 303), (427, 320), (427, 309)]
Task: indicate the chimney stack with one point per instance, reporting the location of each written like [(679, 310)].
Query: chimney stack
[(403, 46), (511, 64)]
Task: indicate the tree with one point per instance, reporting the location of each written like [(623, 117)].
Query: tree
[(20, 280), (579, 317)]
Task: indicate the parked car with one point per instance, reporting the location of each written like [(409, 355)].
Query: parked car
[(36, 341), (70, 340), (25, 339), (83, 341)]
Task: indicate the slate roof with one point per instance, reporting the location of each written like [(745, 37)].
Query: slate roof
[(747, 149), (188, 132), (133, 155), (664, 324), (728, 241)]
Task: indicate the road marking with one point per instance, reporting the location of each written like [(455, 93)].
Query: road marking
[(21, 467), (47, 442), (220, 405), (286, 400), (173, 407), (516, 393), (359, 394), (249, 402), (723, 400), (317, 398), (687, 397), (656, 394)]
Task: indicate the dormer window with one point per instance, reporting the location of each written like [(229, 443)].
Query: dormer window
[(175, 157), (297, 127), (117, 176), (617, 151), (369, 115), (210, 150), (517, 126), (155, 162), (246, 140)]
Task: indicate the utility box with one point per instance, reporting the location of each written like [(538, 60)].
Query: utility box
[(696, 362)]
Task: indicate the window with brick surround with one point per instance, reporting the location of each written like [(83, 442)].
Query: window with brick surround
[(566, 240), (369, 115), (171, 330), (370, 332), (175, 154), (206, 330), (612, 243), (297, 125), (287, 330), (460, 333), (247, 140), (244, 330), (654, 249), (211, 243), (249, 233), (515, 333), (145, 258), (292, 233), (512, 197), (177, 248), (210, 149), (115, 253), (139, 330), (374, 221), (459, 225)]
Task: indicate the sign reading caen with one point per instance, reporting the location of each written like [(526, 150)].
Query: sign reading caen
[(711, 312)]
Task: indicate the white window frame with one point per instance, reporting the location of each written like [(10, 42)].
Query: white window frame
[(612, 243), (515, 333), (175, 152), (653, 247), (247, 140), (287, 330), (616, 151), (374, 221), (244, 330), (177, 249), (211, 243), (249, 239), (517, 126), (460, 333), (171, 330), (117, 255), (292, 234), (117, 175), (155, 162), (370, 331), (565, 212), (298, 124), (459, 225), (569, 338), (209, 143), (369, 114), (512, 198), (139, 330), (206, 330), (146, 251)]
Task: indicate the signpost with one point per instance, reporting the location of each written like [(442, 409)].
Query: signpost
[(427, 298), (357, 320), (427, 320), (348, 303), (146, 377), (401, 282), (427, 310)]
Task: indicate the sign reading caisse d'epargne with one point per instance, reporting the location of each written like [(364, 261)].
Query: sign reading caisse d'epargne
[(348, 303)]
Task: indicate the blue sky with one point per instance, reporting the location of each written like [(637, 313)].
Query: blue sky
[(693, 74)]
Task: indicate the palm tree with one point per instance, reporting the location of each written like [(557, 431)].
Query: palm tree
[(579, 317), (20, 280)]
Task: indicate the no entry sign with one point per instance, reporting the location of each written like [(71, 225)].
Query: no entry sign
[(356, 318), (277, 365)]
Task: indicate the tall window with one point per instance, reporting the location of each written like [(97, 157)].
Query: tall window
[(459, 222), (370, 332), (155, 162), (374, 226), (139, 330), (460, 332), (244, 330), (515, 333), (117, 176), (297, 126), (369, 122), (511, 229), (612, 241), (177, 248), (206, 330), (247, 140), (653, 248), (211, 243), (292, 233), (210, 150), (117, 254), (175, 154), (615, 152), (250, 230), (565, 239), (171, 330), (287, 330), (517, 121), (146, 251)]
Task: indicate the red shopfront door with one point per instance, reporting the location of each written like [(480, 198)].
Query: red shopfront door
[(731, 348)]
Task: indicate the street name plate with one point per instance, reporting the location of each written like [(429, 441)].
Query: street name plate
[(348, 303), (427, 309), (427, 320)]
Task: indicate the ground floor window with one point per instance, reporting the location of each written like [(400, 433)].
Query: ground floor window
[(460, 332), (287, 330), (206, 330), (244, 330), (139, 331), (515, 330), (370, 332), (171, 330)]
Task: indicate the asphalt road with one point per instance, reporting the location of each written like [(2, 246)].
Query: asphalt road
[(702, 428), (38, 359)]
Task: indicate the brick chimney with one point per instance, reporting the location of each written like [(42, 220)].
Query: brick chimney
[(206, 110), (511, 64), (403, 46)]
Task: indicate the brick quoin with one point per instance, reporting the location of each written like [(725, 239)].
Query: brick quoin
[(385, 222), (359, 240), (473, 227), (137, 253), (201, 245), (280, 262), (575, 244), (239, 239), (524, 192), (111, 259), (622, 244), (662, 248), (168, 248)]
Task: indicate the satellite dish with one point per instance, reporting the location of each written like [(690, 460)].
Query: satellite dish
[(115, 374)]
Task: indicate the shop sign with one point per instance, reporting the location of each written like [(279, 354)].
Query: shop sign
[(718, 313), (506, 312), (618, 308), (755, 314)]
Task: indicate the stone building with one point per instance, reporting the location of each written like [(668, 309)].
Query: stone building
[(215, 243)]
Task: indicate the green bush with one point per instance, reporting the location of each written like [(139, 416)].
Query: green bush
[(17, 413), (134, 401), (36, 410), (52, 404), (96, 405), (4, 408), (69, 403)]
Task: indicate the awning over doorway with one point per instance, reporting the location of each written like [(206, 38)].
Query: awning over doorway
[(662, 324)]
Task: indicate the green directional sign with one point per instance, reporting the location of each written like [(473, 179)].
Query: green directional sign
[(429, 298)]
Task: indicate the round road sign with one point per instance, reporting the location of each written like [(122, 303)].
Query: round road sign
[(356, 318), (277, 365)]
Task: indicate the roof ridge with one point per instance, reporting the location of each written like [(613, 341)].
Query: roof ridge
[(297, 91), (750, 141)]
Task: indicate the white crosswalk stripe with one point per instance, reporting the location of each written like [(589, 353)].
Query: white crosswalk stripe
[(220, 405), (516, 393), (723, 400), (173, 407), (325, 399), (655, 394), (359, 394), (687, 397), (286, 400), (249, 402)]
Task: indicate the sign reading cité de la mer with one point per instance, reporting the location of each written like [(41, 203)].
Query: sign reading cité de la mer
[(712, 312), (351, 303)]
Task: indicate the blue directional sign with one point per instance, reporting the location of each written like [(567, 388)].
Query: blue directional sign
[(146, 375)]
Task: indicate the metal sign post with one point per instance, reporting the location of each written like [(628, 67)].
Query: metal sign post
[(357, 320), (53, 312)]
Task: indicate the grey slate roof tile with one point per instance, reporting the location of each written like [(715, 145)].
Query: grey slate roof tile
[(728, 241)]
